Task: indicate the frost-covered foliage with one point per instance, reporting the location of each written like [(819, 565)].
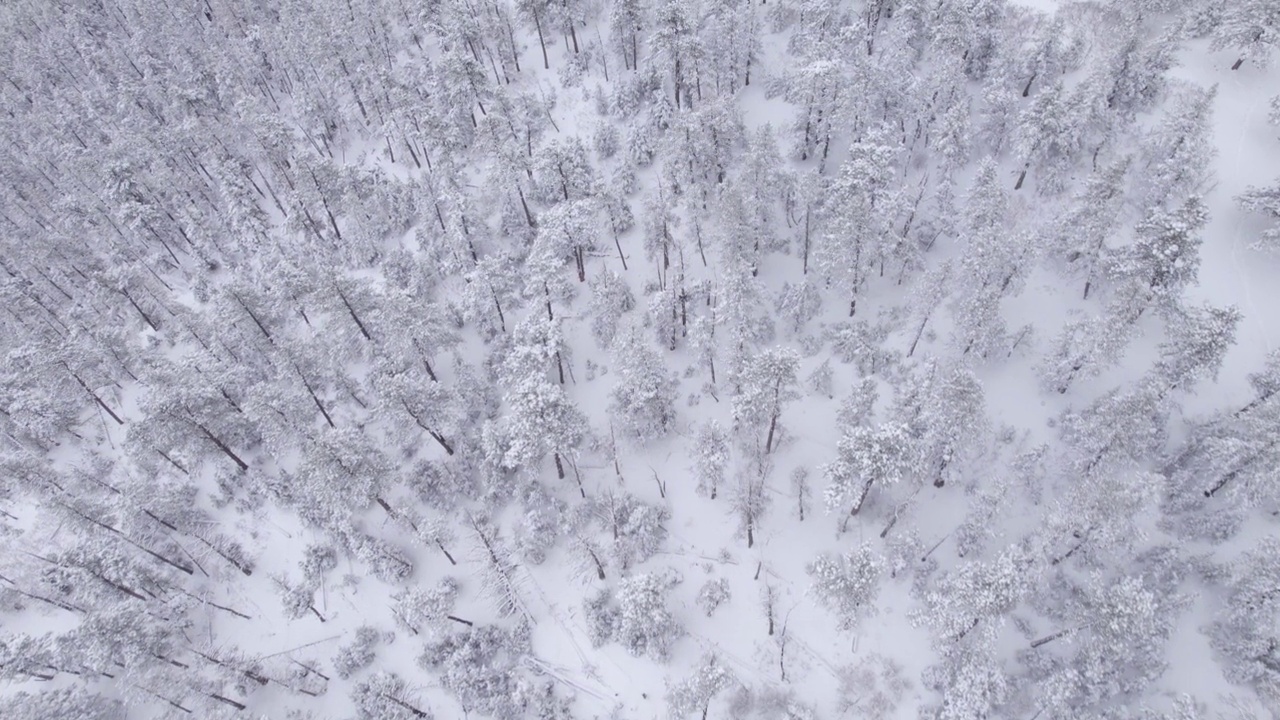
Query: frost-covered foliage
[(601, 615), (611, 298), (1247, 632), (976, 592), (872, 688), (644, 393), (691, 696), (847, 583), (766, 384), (387, 696), (426, 610), (636, 616), (61, 703), (637, 529), (712, 595), (357, 654), (645, 626), (480, 667), (867, 456), (541, 524), (710, 457)]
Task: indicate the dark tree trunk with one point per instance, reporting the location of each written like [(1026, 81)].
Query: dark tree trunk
[(537, 22), (316, 400), (244, 466), (596, 561), (446, 553), (351, 311), (95, 397)]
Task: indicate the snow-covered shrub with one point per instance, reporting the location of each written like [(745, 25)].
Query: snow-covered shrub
[(690, 697), (638, 528), (296, 600), (846, 583), (873, 687), (318, 560), (606, 140), (601, 616), (541, 523), (69, 702), (820, 380), (713, 594), (644, 392), (385, 696), (1247, 630), (388, 563), (426, 610), (611, 298), (539, 700), (480, 667), (710, 457), (769, 703), (646, 628), (357, 654), (798, 303)]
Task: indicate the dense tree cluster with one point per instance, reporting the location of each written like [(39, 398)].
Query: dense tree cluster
[(466, 330)]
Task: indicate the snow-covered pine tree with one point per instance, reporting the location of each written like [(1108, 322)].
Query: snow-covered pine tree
[(1250, 28), (643, 395), (767, 383), (710, 457), (847, 584)]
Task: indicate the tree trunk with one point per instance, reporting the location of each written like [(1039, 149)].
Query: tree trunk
[(173, 462), (446, 553), (448, 449), (528, 216), (599, 565), (1220, 484), (537, 22), (435, 435), (95, 397), (316, 400), (244, 466), (618, 244), (807, 213), (253, 317), (919, 332), (351, 311), (866, 489), (226, 700), (144, 315), (1050, 638)]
